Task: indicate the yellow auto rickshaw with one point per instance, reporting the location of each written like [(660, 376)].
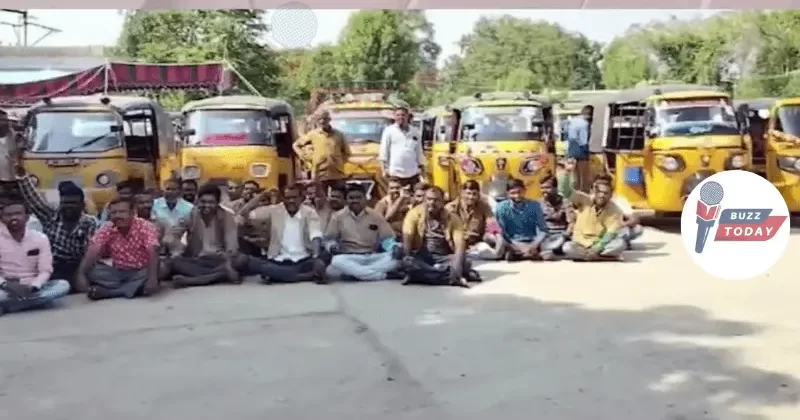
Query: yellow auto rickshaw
[(362, 117), (757, 112), (438, 138), (238, 138), (568, 108), (661, 141), (97, 141), (782, 146), (501, 135)]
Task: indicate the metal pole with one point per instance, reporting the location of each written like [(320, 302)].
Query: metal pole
[(25, 28)]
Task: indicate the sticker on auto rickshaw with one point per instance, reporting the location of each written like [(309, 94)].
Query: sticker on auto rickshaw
[(735, 225)]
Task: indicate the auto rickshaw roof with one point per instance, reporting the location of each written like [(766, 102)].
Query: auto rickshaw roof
[(645, 92), (239, 101), (506, 99), (788, 101), (118, 102)]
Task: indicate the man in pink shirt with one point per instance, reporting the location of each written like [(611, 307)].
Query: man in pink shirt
[(132, 243), (26, 264)]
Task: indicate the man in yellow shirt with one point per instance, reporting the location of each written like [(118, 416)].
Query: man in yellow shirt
[(595, 235), (329, 151)]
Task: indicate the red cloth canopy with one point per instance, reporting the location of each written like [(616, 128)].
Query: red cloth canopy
[(116, 77)]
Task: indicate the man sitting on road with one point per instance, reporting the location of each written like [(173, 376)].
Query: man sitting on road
[(132, 244), (475, 214), (212, 253), (26, 263), (361, 240), (401, 155), (67, 227), (558, 215), (249, 190), (189, 190), (171, 208), (434, 240), (295, 241), (596, 228), (522, 224), (419, 194), (317, 198), (144, 210), (394, 206)]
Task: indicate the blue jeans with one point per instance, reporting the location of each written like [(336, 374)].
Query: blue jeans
[(51, 291)]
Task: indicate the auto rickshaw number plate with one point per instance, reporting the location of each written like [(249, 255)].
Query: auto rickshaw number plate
[(60, 163)]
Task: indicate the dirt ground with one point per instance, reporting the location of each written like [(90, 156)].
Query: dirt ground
[(652, 338)]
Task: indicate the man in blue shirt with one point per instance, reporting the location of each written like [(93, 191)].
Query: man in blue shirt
[(522, 224), (578, 131), (171, 208)]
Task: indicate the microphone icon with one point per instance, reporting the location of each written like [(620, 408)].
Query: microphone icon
[(711, 194)]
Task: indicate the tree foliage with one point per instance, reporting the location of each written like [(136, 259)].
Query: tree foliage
[(513, 53), (194, 36)]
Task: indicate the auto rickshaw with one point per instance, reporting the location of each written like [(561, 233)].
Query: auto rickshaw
[(569, 108), (501, 135), (238, 138), (782, 147), (98, 141), (362, 118), (661, 141), (438, 122)]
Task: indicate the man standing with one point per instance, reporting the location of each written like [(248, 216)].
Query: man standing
[(578, 131), (362, 242), (330, 151), (171, 208), (521, 223), (434, 239), (26, 264), (132, 243), (401, 155), (295, 241), (212, 244), (67, 227), (595, 235), (394, 206)]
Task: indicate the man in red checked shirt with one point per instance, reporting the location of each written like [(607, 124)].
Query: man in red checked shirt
[(132, 243)]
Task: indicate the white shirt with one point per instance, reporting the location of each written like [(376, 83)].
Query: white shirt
[(400, 152), (292, 242)]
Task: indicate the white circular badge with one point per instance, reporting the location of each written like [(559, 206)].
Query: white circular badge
[(735, 225)]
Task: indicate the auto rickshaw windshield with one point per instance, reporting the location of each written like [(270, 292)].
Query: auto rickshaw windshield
[(444, 128), (696, 119), (62, 131), (230, 127), (360, 129), (502, 123), (789, 119)]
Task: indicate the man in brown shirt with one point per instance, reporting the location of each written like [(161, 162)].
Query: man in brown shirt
[(474, 212), (361, 241), (558, 215), (434, 238), (394, 206), (211, 254), (330, 151)]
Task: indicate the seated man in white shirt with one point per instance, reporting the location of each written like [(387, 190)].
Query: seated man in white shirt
[(401, 154), (295, 241), (26, 263)]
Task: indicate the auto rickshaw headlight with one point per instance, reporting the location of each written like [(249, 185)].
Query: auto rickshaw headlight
[(530, 166), (259, 170), (471, 166), (789, 163), (670, 163), (103, 180), (190, 172), (736, 162)]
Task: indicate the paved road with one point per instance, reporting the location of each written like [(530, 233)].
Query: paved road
[(652, 338)]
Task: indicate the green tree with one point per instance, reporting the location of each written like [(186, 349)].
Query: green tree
[(513, 52), (625, 63), (379, 46), (193, 36)]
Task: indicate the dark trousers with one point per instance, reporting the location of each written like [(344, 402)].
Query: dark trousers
[(117, 282), (431, 269), (66, 270), (286, 271), (412, 181), (199, 266)]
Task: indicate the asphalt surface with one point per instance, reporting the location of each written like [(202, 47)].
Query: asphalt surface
[(652, 338)]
